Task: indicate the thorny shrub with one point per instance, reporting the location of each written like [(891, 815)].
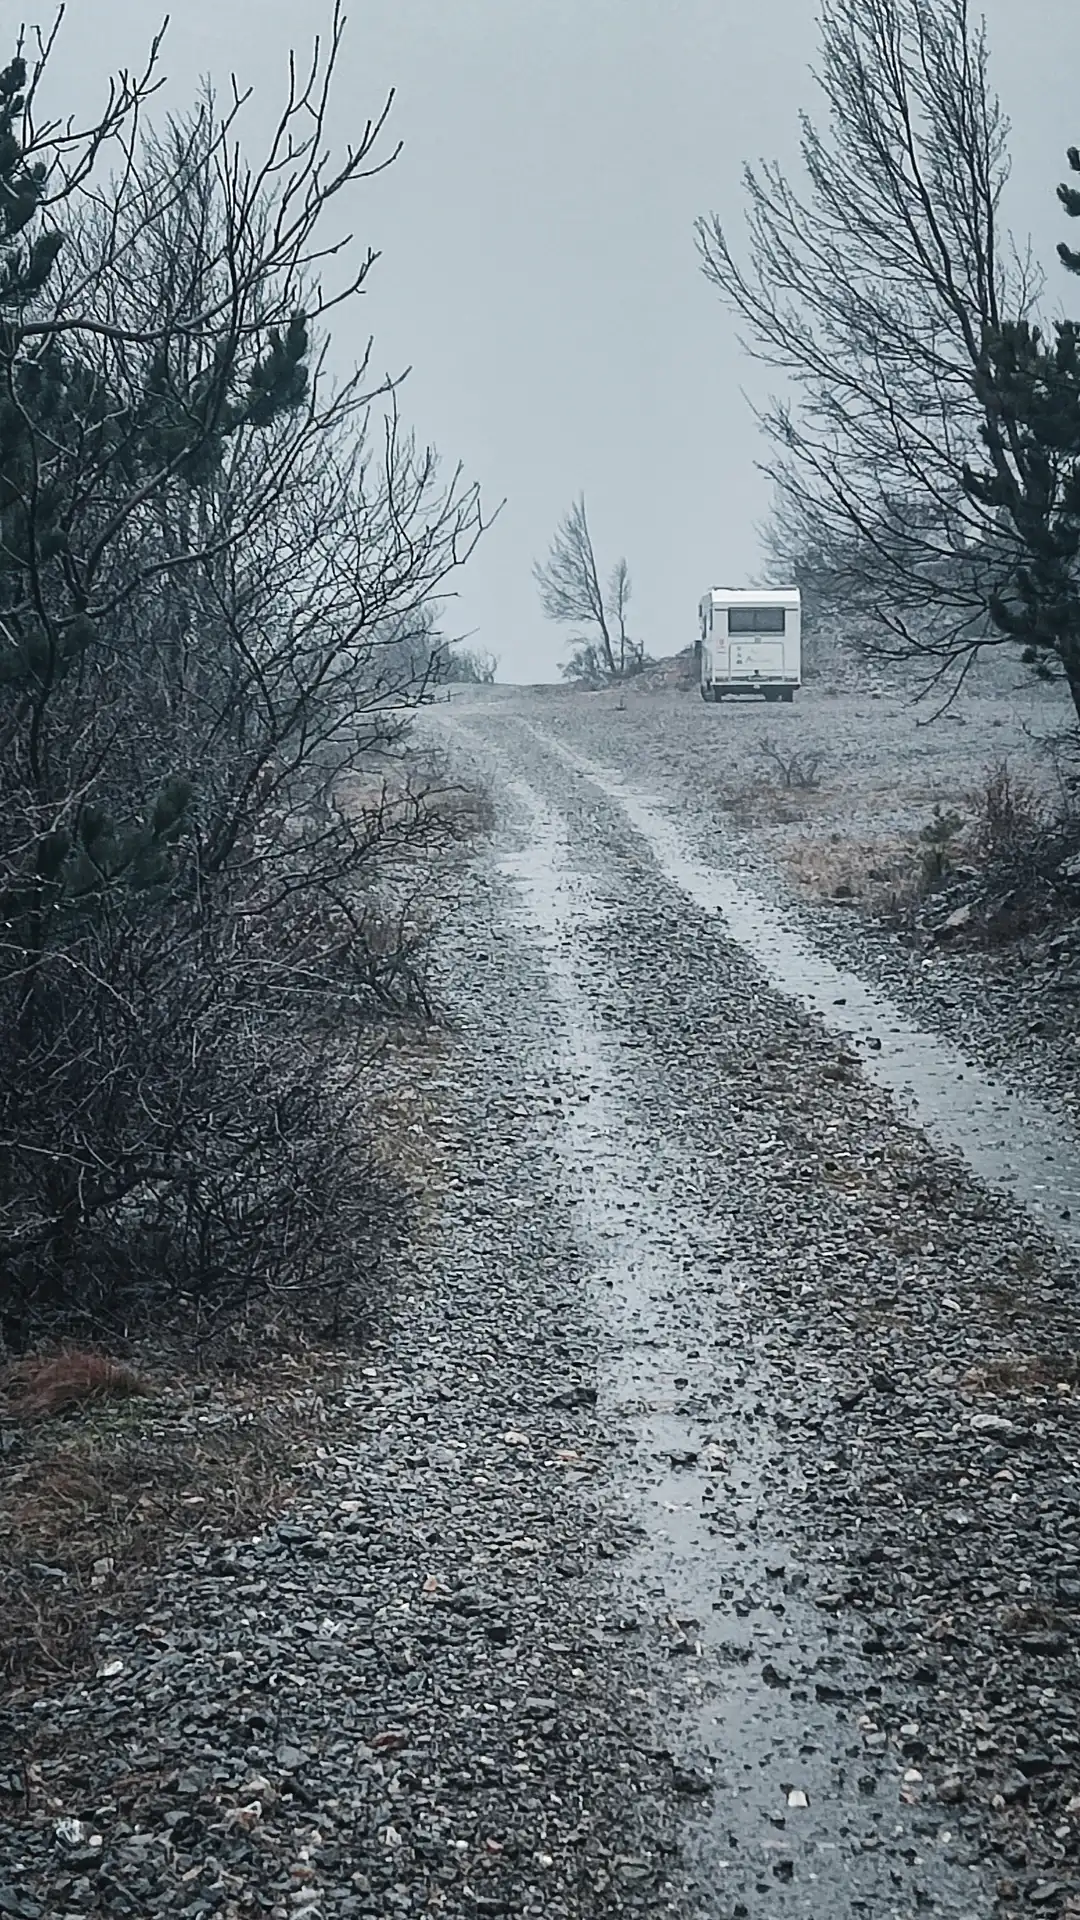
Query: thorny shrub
[(1010, 817), (217, 569), (795, 772)]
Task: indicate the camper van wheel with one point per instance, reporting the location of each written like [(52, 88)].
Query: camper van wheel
[(772, 694), (788, 695)]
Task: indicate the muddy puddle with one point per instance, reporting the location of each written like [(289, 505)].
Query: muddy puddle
[(795, 1802), (1011, 1144)]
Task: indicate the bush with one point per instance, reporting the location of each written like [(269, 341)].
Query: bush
[(794, 772), (1010, 818), (216, 575), (938, 840), (460, 666)]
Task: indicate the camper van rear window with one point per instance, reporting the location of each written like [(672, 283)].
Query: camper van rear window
[(755, 620)]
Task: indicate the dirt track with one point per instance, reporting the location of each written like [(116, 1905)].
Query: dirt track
[(700, 1535), (841, 847), (844, 1366)]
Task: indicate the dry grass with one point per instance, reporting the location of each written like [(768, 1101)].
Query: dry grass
[(91, 1505), (1001, 828), (408, 1140), (1024, 1374), (880, 876), (401, 799), (377, 796), (42, 1386), (1008, 815), (110, 1466), (141, 1457), (1020, 1620), (470, 809), (753, 803)]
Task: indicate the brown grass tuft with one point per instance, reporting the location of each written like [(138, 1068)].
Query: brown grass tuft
[(92, 1507), (1024, 1373), (420, 798), (881, 876), (1035, 1619), (40, 1388)]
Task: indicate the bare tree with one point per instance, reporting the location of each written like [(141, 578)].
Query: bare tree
[(875, 290), (618, 600), (467, 666), (571, 593), (217, 570)]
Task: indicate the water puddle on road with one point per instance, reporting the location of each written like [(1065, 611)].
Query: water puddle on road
[(757, 1691), (1011, 1144)]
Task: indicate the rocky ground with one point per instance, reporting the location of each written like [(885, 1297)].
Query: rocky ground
[(699, 1534)]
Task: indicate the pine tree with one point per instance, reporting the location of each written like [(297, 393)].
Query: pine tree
[(1029, 389), (1070, 200), (58, 420), (201, 558)]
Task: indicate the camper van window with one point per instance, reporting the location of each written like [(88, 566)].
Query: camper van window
[(755, 620)]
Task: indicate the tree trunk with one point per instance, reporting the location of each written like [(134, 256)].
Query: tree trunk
[(1068, 653)]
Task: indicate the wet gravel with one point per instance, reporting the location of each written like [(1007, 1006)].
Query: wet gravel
[(907, 1473), (701, 1534), (853, 1377)]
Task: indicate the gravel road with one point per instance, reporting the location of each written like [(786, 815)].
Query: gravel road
[(700, 1535), (882, 767)]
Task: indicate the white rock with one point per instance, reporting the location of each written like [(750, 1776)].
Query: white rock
[(991, 1423)]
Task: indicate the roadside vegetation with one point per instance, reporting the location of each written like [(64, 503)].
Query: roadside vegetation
[(464, 666), (223, 854), (998, 865), (924, 442), (217, 571)]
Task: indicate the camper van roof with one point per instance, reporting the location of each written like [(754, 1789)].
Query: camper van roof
[(755, 596)]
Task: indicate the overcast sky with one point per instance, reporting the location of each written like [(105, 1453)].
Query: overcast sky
[(539, 273)]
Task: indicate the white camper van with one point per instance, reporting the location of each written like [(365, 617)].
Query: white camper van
[(751, 642)]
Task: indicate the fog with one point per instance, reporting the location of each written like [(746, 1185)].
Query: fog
[(538, 272)]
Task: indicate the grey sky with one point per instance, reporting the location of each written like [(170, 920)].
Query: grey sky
[(539, 273)]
